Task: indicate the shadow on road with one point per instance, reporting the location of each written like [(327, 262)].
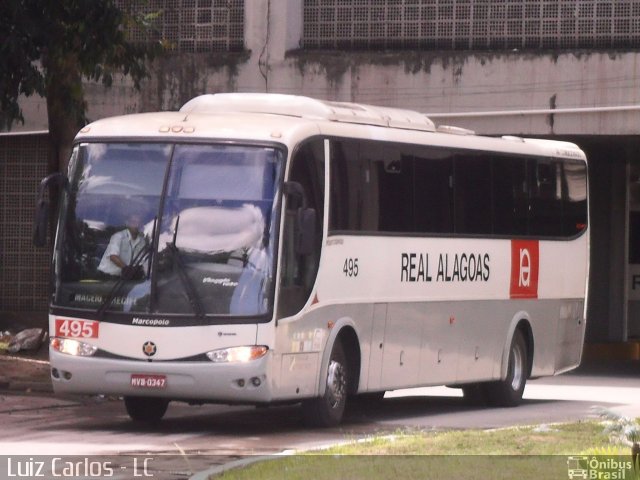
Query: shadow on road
[(384, 415)]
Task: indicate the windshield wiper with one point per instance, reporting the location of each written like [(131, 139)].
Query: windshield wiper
[(192, 293), (137, 260)]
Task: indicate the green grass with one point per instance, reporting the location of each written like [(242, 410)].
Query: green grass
[(563, 439), (522, 452)]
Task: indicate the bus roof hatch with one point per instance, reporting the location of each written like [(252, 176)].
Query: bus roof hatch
[(305, 107)]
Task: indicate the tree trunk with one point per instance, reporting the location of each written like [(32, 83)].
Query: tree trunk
[(65, 106), (65, 114)]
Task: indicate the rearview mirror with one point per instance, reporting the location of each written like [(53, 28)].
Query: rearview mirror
[(295, 190), (306, 231), (41, 222), (305, 227)]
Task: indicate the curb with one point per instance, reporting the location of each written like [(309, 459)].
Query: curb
[(243, 462)]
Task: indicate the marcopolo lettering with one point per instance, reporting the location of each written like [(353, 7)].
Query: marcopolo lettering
[(457, 267), (151, 322)]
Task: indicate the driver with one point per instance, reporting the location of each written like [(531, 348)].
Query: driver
[(124, 247)]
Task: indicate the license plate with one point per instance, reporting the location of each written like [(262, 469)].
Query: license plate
[(141, 380)]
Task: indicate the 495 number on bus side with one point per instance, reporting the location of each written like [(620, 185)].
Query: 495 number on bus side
[(350, 267)]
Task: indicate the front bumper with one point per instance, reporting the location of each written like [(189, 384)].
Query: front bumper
[(199, 381)]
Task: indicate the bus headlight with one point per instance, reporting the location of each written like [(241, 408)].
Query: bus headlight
[(73, 347), (238, 354)]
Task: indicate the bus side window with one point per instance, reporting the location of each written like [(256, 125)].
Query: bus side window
[(387, 186), (347, 194), (299, 271), (472, 199), (433, 192), (510, 196), (545, 181), (574, 198)]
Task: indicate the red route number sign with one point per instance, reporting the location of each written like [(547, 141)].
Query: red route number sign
[(76, 328)]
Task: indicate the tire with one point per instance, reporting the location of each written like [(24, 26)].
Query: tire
[(475, 394), (146, 409), (508, 392), (327, 410)]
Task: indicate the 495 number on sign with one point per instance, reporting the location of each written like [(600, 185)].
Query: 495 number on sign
[(76, 328)]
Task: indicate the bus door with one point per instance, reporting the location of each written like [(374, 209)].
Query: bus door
[(298, 271)]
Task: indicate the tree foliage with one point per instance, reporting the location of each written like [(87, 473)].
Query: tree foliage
[(47, 47), (18, 52)]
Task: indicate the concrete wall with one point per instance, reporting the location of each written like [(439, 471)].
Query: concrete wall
[(429, 81), (574, 95)]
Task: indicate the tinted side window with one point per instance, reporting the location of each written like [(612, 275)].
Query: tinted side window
[(545, 198), (433, 194), (400, 188), (347, 195), (411, 188), (371, 187), (574, 199), (472, 199), (510, 196), (392, 178)]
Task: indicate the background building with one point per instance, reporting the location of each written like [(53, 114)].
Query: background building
[(563, 69)]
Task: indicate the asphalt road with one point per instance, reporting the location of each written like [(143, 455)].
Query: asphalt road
[(191, 439)]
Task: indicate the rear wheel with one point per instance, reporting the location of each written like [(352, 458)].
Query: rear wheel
[(474, 394), (146, 409), (327, 410), (508, 392)]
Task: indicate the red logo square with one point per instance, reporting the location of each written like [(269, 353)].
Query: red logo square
[(525, 265)]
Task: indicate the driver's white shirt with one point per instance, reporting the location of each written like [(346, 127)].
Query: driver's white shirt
[(123, 245)]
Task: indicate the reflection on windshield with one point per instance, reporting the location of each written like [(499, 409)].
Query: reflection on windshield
[(215, 243), (209, 230), (212, 249), (106, 225)]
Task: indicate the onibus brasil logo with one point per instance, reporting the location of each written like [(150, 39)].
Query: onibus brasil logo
[(592, 467)]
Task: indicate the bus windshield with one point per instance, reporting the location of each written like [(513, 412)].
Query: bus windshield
[(174, 229)]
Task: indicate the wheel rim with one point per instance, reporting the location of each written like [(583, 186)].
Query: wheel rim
[(518, 368), (336, 384)]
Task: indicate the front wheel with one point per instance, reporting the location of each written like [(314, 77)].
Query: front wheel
[(146, 409), (508, 392), (327, 410)]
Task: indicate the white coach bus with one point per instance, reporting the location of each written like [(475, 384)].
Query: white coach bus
[(262, 248)]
